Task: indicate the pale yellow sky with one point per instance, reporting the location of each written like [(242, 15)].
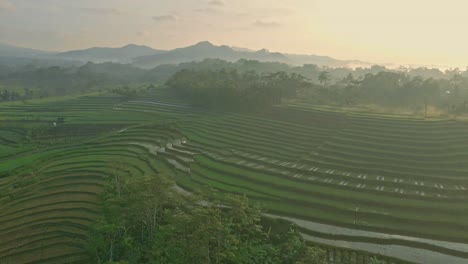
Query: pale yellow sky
[(399, 31)]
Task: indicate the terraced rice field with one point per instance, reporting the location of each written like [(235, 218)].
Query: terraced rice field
[(380, 180), (50, 185)]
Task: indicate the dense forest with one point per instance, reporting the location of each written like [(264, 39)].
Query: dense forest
[(252, 84), (394, 90), (230, 89)]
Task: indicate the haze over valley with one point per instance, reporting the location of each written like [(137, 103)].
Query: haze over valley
[(233, 132)]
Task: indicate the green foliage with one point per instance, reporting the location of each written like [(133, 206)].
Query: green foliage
[(146, 221), (127, 92), (59, 81), (248, 84), (375, 260), (13, 95), (324, 77), (230, 89), (393, 90)]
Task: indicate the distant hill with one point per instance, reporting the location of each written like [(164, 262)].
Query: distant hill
[(46, 61), (13, 51), (146, 57), (14, 56), (121, 55), (206, 50)]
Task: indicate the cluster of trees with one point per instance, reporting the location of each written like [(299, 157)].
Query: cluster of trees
[(145, 220), (412, 90), (163, 72), (6, 95), (15, 95), (58, 81), (310, 71), (52, 81), (394, 90), (129, 93), (126, 92), (231, 89)]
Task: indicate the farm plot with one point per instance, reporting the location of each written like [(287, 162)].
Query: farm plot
[(49, 189), (390, 175), (369, 173)]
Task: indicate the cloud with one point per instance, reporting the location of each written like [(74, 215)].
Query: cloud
[(242, 14), (102, 11), (207, 10), (7, 5), (281, 11), (240, 28), (143, 33), (266, 24), (163, 18), (216, 3)]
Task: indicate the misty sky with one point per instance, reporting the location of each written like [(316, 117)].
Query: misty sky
[(400, 31)]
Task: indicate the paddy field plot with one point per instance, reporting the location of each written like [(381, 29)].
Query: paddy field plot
[(402, 176)]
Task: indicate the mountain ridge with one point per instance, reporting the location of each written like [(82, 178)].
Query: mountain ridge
[(122, 54), (7, 50), (147, 57), (207, 50)]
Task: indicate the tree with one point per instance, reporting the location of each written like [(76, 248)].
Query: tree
[(146, 221), (348, 80), (324, 77)]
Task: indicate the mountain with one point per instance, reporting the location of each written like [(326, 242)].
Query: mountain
[(146, 57), (206, 50), (13, 51), (265, 55), (47, 61), (242, 49), (122, 55), (14, 56)]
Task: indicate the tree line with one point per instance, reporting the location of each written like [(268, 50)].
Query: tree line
[(59, 81), (231, 89), (394, 90), (252, 84)]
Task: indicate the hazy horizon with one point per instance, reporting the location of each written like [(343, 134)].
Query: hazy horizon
[(322, 149), (418, 33)]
